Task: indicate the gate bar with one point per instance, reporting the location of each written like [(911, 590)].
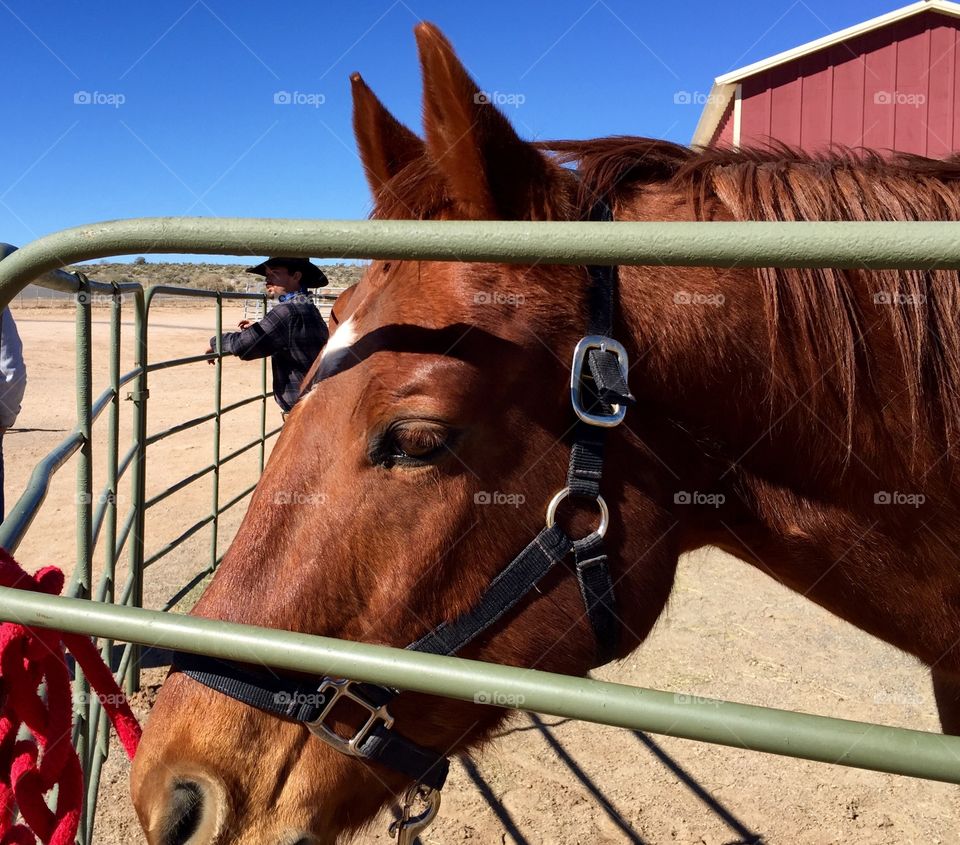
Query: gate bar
[(857, 744), (872, 245)]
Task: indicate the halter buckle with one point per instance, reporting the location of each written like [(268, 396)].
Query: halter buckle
[(580, 352), (340, 689)]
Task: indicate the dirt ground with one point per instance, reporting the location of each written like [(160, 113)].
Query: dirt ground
[(729, 632)]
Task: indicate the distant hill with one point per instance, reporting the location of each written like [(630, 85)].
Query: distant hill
[(223, 277), (212, 276)]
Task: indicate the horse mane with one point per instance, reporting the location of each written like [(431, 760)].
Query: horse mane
[(822, 323), (823, 315)]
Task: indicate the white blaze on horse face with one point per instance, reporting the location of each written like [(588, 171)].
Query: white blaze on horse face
[(336, 348), (343, 336)]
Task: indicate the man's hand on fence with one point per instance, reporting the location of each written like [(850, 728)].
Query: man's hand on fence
[(211, 351)]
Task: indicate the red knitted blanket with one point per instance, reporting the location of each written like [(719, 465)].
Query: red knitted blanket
[(29, 769)]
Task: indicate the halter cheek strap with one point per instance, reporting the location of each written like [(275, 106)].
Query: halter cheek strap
[(599, 396)]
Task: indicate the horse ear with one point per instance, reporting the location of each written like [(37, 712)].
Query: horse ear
[(490, 172), (386, 145)]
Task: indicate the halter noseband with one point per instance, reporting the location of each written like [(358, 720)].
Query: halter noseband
[(599, 395)]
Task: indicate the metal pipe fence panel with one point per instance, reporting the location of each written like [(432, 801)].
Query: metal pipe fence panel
[(98, 527), (844, 245)]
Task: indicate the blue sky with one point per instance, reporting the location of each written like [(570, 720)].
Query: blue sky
[(117, 110)]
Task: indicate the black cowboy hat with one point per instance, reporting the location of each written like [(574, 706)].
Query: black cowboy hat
[(311, 276)]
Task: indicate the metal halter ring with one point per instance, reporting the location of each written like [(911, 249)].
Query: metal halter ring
[(600, 530)]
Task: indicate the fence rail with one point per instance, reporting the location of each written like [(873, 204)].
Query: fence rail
[(876, 246), (809, 737), (890, 245)]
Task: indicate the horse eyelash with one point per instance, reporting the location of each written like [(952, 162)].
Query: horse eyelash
[(380, 452)]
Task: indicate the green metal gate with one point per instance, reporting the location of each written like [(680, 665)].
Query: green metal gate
[(98, 517), (117, 615)]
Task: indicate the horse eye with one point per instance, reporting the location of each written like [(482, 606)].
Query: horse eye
[(412, 443)]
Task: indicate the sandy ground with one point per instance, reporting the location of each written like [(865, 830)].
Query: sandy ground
[(729, 633), (177, 394)]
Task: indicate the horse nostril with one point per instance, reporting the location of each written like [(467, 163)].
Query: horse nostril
[(186, 810)]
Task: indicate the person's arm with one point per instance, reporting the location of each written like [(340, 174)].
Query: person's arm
[(13, 372), (269, 335)]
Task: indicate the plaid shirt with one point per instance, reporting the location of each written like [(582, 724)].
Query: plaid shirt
[(293, 333)]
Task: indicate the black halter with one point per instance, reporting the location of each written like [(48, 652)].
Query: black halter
[(599, 395)]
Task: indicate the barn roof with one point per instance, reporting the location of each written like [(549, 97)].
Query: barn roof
[(725, 86)]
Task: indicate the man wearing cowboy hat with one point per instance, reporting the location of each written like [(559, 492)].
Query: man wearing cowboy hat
[(292, 332)]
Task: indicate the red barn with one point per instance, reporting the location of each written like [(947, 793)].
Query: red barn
[(890, 83)]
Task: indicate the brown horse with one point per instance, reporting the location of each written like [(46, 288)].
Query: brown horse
[(805, 421)]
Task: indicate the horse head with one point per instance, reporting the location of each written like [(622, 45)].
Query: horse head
[(419, 460)]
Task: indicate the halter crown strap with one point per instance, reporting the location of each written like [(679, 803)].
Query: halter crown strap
[(595, 395), (604, 285)]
